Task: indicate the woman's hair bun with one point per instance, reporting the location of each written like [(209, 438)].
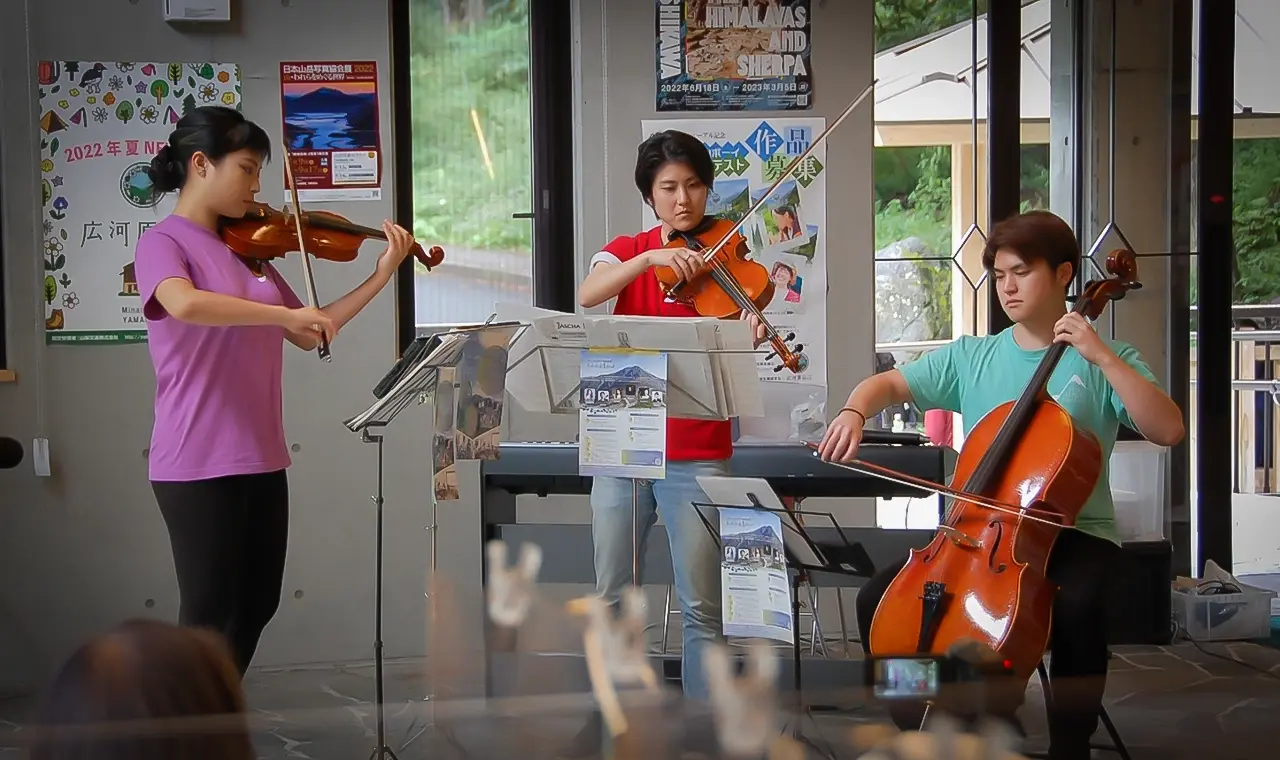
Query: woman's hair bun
[(165, 172)]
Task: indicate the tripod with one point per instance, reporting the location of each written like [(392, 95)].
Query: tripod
[(380, 750)]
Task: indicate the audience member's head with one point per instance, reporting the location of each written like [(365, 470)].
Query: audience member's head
[(146, 690)]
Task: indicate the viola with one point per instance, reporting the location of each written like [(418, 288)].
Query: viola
[(735, 284), (1024, 473), (729, 283), (266, 233)]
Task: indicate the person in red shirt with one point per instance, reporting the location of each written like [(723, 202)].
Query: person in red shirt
[(674, 173)]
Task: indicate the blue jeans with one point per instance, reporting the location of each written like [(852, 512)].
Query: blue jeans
[(695, 555)]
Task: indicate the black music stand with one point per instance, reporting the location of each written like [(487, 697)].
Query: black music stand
[(407, 384), (804, 556)]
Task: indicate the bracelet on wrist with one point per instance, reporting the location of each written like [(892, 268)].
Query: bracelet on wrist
[(855, 411)]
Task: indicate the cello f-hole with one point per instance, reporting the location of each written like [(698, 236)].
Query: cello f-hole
[(995, 546)]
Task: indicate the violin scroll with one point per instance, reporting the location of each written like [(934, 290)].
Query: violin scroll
[(430, 258)]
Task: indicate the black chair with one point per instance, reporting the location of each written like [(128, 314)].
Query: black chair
[(1117, 744)]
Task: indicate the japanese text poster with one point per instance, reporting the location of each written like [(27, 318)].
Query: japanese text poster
[(331, 124), (734, 55), (786, 234), (100, 125)]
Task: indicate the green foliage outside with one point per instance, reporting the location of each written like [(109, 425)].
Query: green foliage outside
[(462, 65), (470, 65)]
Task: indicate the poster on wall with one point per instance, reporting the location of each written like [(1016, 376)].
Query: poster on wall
[(101, 122), (734, 55), (330, 112), (787, 234)]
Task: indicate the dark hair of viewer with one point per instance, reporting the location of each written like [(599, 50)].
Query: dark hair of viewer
[(146, 690)]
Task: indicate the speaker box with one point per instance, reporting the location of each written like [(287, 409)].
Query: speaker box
[(1139, 608)]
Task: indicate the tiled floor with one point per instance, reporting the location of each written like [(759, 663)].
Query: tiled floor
[(1167, 702)]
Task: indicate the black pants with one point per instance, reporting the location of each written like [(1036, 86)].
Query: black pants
[(229, 537), (1080, 565)]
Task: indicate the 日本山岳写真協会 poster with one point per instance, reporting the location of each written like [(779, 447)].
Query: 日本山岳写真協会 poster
[(734, 55), (331, 124), (787, 234), (100, 125)]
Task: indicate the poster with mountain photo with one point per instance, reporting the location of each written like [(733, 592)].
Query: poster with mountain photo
[(443, 440), (622, 419), (331, 127)]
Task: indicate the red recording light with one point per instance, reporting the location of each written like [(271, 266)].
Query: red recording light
[(1008, 664)]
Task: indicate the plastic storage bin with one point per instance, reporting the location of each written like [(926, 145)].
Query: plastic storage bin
[(1138, 474), (1224, 617)]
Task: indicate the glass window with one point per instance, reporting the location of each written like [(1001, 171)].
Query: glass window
[(472, 165)]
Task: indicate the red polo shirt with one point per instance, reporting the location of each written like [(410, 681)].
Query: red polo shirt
[(687, 439)]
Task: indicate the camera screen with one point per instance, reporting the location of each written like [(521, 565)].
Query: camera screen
[(906, 678)]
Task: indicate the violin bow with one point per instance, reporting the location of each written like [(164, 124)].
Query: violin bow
[(709, 253), (296, 212)]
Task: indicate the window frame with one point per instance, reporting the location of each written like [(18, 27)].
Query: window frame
[(552, 126)]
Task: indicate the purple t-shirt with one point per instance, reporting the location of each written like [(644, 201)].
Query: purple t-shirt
[(218, 389)]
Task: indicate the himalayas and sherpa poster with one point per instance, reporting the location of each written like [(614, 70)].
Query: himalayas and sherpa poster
[(100, 124), (787, 235), (734, 55)]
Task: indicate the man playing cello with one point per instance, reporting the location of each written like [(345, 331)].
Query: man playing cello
[(1032, 258)]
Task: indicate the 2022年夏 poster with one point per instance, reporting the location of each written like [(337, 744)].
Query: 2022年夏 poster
[(787, 235), (101, 122), (331, 126), (734, 55)]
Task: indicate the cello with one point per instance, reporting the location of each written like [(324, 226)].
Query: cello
[(1023, 474), (729, 283)]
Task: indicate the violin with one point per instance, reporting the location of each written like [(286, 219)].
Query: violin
[(1024, 473), (266, 233), (729, 283)]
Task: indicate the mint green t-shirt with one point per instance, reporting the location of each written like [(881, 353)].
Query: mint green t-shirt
[(973, 375)]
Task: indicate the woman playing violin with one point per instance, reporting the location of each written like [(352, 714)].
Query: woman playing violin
[(673, 173), (216, 326), (1032, 258)]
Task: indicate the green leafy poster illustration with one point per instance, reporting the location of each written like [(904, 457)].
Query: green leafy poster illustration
[(100, 124)]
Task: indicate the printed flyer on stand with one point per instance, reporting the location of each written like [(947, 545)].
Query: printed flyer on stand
[(753, 575), (622, 429)]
